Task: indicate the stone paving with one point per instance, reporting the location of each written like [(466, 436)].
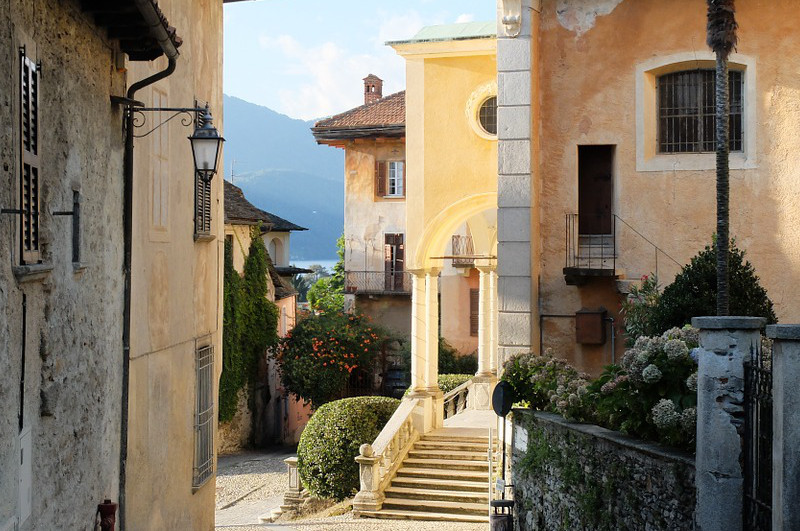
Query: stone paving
[(251, 484)]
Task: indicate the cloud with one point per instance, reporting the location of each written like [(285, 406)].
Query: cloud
[(326, 77), (465, 17)]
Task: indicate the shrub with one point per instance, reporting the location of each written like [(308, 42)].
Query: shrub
[(318, 355), (639, 307), (330, 441), (448, 382), (233, 377), (324, 297), (450, 361), (694, 291)]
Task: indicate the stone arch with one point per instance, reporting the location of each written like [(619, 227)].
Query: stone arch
[(439, 229), (275, 250)]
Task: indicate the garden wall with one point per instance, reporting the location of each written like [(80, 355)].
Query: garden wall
[(575, 476)]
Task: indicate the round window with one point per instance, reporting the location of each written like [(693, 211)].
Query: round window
[(487, 115)]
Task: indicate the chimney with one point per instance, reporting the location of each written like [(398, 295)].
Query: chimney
[(373, 89)]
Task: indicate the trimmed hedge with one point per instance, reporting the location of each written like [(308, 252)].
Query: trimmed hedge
[(330, 441)]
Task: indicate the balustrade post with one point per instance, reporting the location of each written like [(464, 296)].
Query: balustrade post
[(369, 497), (293, 497)]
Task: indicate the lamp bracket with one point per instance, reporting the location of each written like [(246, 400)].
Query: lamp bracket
[(187, 114)]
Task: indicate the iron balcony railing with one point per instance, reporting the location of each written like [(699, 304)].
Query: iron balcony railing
[(377, 282), (597, 250), (462, 246)]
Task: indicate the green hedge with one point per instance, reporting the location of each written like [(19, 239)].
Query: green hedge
[(331, 439)]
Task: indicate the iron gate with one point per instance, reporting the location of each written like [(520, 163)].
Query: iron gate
[(758, 441)]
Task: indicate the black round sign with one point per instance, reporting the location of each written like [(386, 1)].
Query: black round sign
[(502, 398)]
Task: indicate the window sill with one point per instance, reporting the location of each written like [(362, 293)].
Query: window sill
[(393, 197), (32, 272), (693, 162), (78, 268), (204, 237)]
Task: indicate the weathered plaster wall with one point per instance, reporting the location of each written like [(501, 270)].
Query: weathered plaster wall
[(72, 336), (368, 217), (390, 311), (176, 285), (588, 96), (579, 476)]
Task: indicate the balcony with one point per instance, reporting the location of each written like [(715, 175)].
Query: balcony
[(462, 246), (377, 283), (589, 255)]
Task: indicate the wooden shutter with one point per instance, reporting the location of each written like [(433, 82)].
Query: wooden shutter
[(202, 190), (29, 156), (474, 300), (404, 178), (399, 262), (380, 178)]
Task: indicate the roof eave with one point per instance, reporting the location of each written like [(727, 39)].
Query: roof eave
[(322, 134)]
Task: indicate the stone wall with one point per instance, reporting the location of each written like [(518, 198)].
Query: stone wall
[(579, 476)]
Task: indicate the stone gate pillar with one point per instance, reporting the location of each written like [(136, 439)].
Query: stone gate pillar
[(785, 426), (725, 344)]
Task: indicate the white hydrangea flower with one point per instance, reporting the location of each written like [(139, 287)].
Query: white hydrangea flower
[(675, 349), (651, 374), (689, 420), (691, 382), (665, 415)]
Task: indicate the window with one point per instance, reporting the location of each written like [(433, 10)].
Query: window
[(202, 197), (29, 157), (204, 416), (474, 301), (390, 178), (393, 262), (487, 115), (687, 115)]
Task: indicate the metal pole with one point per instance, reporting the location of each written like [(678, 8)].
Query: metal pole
[(491, 439)]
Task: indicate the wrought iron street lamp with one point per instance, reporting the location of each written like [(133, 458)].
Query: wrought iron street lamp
[(206, 145)]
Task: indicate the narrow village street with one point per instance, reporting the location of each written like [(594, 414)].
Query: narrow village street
[(250, 484)]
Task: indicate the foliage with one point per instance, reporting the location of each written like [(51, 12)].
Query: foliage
[(337, 279), (448, 382), (250, 323), (694, 291), (330, 442), (301, 284), (232, 378), (450, 360), (638, 309), (323, 297), (318, 355), (652, 394)]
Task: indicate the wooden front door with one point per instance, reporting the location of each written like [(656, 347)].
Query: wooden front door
[(595, 189)]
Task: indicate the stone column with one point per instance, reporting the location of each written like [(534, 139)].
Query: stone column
[(785, 426), (484, 322), (725, 343), (435, 407), (418, 349)]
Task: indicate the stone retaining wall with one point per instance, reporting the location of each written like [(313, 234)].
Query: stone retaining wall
[(575, 476)]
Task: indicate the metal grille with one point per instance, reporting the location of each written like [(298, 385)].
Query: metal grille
[(204, 418), (487, 115), (377, 282), (687, 114), (29, 175), (758, 441), (463, 246)]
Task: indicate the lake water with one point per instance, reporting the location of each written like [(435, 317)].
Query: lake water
[(327, 264)]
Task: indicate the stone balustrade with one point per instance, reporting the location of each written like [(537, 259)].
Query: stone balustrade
[(455, 401)]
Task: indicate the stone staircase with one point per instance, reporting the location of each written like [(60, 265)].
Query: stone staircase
[(444, 477)]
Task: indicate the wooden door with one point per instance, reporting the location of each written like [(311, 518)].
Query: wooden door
[(595, 189)]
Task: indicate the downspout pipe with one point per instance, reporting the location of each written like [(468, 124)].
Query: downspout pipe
[(160, 34)]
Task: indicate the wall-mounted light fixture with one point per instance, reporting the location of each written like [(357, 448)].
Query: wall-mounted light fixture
[(206, 145)]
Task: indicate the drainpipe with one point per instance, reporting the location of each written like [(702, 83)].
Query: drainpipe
[(159, 33)]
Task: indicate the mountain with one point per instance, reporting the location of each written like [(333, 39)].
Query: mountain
[(282, 170)]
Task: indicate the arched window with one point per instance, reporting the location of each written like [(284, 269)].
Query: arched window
[(275, 250), (687, 115)]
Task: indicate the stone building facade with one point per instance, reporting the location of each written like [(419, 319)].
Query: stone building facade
[(78, 423)]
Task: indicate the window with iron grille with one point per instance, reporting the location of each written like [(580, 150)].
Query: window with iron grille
[(487, 115), (687, 114), (474, 316), (204, 416), (202, 196), (29, 158)]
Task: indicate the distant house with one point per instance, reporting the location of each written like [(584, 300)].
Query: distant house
[(280, 417), (373, 137)]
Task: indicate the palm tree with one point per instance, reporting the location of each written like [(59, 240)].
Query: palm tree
[(721, 38)]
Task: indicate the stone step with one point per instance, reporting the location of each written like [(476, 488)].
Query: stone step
[(437, 494), (439, 437), (440, 473), (457, 446), (404, 504), (444, 453), (422, 515), (448, 464), (442, 484)]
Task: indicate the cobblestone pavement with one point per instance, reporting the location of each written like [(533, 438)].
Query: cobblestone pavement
[(250, 484)]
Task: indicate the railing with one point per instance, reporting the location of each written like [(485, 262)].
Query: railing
[(380, 460), (462, 246), (599, 251), (377, 282), (591, 250), (455, 401), (758, 440)]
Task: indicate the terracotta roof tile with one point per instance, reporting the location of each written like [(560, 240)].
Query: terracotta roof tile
[(385, 112)]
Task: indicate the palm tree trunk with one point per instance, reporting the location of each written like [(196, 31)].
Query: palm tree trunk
[(723, 188)]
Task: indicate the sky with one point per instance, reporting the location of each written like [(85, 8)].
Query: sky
[(307, 59)]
